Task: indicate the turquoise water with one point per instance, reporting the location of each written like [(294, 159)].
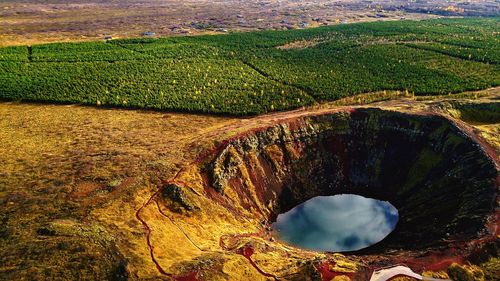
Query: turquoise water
[(337, 223)]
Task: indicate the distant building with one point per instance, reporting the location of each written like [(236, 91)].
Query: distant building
[(149, 33), (304, 25), (108, 37)]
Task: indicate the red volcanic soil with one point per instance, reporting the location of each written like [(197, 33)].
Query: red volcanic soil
[(326, 274)]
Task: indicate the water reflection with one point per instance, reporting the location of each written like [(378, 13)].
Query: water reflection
[(337, 223)]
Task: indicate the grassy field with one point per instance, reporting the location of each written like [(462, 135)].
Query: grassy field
[(258, 72)]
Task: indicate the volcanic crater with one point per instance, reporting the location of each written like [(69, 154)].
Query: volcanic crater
[(443, 182)]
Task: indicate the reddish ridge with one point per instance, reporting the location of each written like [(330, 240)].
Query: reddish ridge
[(148, 234), (326, 274), (192, 276), (247, 252)]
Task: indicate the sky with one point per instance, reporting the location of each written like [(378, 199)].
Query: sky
[(337, 223)]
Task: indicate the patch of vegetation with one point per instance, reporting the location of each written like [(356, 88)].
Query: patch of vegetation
[(465, 272), (246, 73), (492, 268), (176, 196), (478, 113), (14, 54)]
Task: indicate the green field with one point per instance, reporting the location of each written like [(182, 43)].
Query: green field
[(246, 73)]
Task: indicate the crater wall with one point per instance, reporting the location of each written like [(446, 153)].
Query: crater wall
[(442, 182)]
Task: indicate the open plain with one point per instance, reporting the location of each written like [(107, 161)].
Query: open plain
[(31, 22)]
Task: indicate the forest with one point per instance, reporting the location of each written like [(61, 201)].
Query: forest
[(258, 72)]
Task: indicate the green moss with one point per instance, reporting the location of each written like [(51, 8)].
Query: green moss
[(479, 112), (378, 168), (491, 268), (453, 140), (339, 123), (472, 112), (439, 132), (427, 160), (176, 196), (465, 273)]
